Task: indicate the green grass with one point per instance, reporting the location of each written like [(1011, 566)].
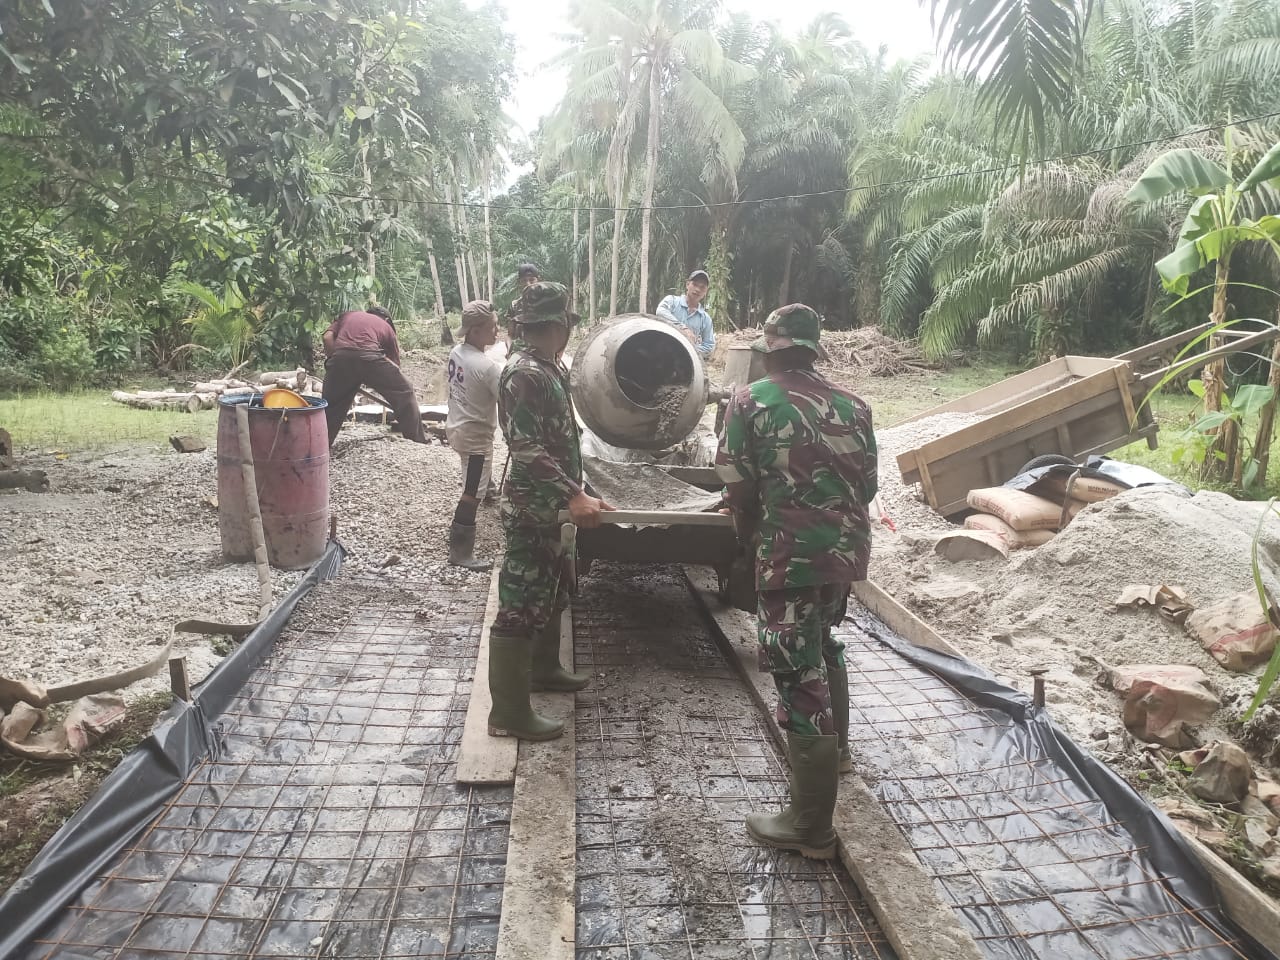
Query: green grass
[(90, 420)]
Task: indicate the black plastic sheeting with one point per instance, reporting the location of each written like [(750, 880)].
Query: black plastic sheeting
[(137, 790), (1099, 468), (1041, 849)]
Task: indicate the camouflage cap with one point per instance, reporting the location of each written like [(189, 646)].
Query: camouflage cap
[(545, 302), (794, 325), (477, 313)]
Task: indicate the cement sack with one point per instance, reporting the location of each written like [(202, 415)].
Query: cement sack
[(1020, 510), (1016, 539), (1086, 489), (1235, 631)]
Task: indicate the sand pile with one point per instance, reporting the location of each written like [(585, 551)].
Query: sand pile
[(1054, 606)]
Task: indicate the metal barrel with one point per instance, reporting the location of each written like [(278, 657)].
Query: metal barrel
[(638, 383), (291, 464)]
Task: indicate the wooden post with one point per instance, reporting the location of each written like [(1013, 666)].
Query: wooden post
[(255, 511), (179, 683)]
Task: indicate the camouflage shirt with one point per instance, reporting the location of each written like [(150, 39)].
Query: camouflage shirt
[(536, 416), (799, 457)]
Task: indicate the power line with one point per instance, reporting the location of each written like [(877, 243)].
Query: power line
[(839, 191)]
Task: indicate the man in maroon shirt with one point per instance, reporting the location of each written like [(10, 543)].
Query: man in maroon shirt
[(362, 350)]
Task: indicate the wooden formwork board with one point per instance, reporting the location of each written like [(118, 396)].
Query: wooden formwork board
[(539, 908), (901, 895)]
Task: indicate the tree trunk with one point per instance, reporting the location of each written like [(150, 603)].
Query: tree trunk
[(1214, 377), (719, 270), (591, 259), (784, 292), (1267, 420), (573, 293), (618, 220), (650, 177), (459, 263), (488, 233), (435, 274), (1215, 372), (366, 175), (466, 241)]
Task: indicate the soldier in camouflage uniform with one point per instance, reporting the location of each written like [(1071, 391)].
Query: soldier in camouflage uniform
[(798, 457), (536, 416), (527, 274)]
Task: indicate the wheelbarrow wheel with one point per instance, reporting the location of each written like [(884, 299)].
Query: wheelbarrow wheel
[(1048, 460)]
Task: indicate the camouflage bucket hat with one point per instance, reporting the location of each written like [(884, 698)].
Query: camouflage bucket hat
[(545, 302), (791, 326)]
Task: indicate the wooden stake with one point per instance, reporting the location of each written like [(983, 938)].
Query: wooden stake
[(179, 683), (255, 511)]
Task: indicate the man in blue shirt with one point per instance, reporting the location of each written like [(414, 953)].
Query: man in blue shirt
[(688, 315)]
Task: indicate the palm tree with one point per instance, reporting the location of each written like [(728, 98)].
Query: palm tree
[(649, 52)]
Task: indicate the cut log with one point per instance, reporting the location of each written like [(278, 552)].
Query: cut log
[(224, 387), (6, 449), (161, 400), (35, 481), (289, 379)]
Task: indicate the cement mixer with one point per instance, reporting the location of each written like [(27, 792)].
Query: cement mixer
[(638, 384)]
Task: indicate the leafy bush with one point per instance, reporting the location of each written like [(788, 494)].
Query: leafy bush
[(66, 360), (17, 378), (114, 343)]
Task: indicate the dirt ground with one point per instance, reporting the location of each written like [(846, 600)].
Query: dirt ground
[(126, 542)]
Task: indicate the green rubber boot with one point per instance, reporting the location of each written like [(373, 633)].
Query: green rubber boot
[(838, 680), (509, 665), (548, 675), (805, 826)]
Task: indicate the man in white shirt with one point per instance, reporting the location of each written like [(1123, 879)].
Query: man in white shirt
[(688, 315), (472, 420)]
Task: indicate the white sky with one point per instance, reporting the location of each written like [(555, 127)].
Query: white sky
[(901, 25)]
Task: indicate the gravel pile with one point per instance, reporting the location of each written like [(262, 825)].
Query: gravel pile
[(97, 570), (901, 501)]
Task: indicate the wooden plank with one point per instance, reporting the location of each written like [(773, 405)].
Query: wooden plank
[(1188, 364), (999, 393), (538, 920), (901, 895), (900, 619), (1253, 910), (1160, 346), (661, 518), (1052, 407), (950, 493), (482, 758), (1256, 913)]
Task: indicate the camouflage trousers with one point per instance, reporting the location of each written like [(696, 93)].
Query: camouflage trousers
[(797, 647), (529, 587)]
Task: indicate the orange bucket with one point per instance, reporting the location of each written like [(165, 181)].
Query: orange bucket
[(278, 398)]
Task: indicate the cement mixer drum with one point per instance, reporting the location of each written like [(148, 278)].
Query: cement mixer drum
[(638, 383)]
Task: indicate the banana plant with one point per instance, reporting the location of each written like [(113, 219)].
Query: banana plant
[(1214, 227)]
